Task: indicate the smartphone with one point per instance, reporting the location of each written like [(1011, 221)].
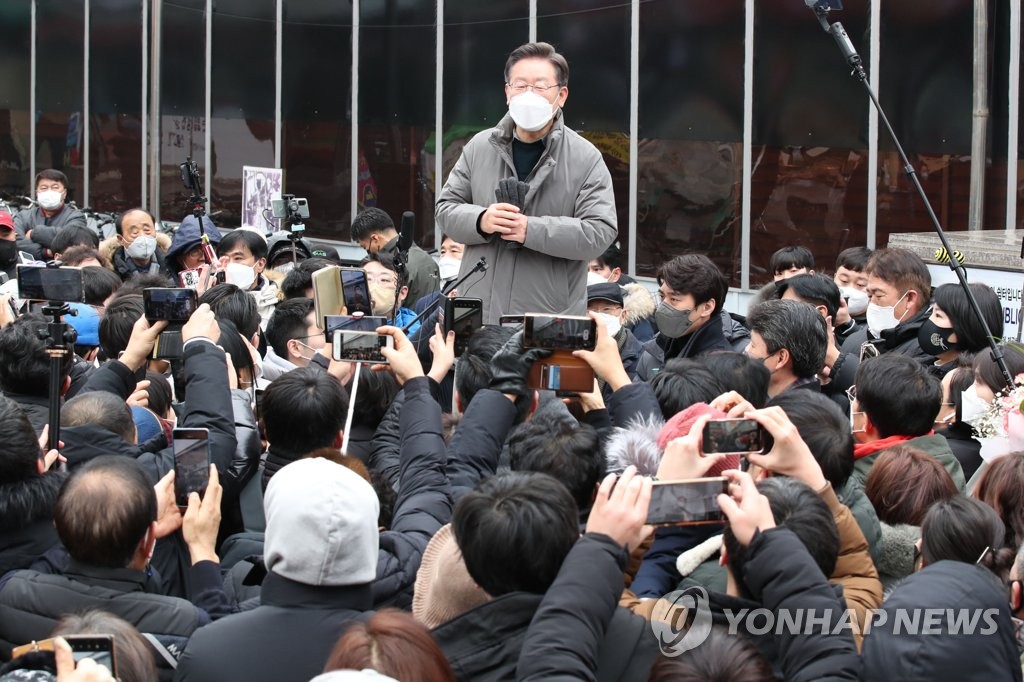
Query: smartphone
[(191, 463), (258, 407), (511, 320), (100, 648), (361, 346), (40, 283), (733, 436), (686, 503), (168, 346), (463, 316), (559, 332), (355, 291), (351, 323), (172, 305), (562, 373), (327, 293)]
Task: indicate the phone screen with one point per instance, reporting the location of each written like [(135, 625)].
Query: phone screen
[(98, 648), (682, 503), (564, 333), (172, 305), (463, 316), (36, 283), (191, 463), (348, 323), (356, 292), (733, 436), (360, 346)]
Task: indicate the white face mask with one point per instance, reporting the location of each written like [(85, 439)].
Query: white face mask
[(49, 199), (610, 321), (530, 111), (142, 248), (881, 318), (856, 301), (240, 274), (448, 267), (972, 406)]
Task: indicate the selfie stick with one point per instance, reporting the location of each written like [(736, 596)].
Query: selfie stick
[(481, 266), (59, 340), (821, 9), (193, 183), (351, 408)]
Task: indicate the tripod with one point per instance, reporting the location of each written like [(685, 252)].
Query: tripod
[(59, 340), (821, 10)]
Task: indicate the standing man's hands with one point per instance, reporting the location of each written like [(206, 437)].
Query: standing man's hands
[(505, 220)]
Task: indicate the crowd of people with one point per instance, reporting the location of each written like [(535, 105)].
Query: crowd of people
[(437, 518)]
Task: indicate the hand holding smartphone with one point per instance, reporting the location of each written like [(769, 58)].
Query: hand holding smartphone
[(687, 503), (463, 316), (191, 463)]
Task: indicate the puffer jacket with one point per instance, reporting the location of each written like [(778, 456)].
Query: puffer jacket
[(572, 219)]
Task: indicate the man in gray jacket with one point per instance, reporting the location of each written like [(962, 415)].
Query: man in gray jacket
[(37, 226), (537, 244)]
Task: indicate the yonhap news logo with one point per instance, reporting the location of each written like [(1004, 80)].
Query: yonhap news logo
[(681, 621)]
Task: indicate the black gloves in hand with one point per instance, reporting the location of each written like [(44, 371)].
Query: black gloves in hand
[(511, 191), (511, 365)]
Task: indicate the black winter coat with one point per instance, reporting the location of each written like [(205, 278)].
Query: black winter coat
[(661, 348), (901, 339)]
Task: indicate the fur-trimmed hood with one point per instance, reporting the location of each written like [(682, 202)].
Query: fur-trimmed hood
[(690, 560), (635, 444), (638, 302), (110, 245)]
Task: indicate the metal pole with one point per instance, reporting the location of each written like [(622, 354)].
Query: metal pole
[(979, 122)]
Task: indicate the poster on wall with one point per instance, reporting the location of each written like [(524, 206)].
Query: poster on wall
[(258, 186)]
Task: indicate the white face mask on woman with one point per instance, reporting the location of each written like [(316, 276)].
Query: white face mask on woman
[(972, 405)]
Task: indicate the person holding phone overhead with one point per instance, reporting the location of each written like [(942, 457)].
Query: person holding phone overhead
[(538, 242)]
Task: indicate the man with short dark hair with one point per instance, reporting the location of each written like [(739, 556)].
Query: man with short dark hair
[(790, 338), (537, 246), (293, 337), (25, 368), (790, 261), (895, 402), (137, 248), (389, 291), (246, 252), (71, 236), (37, 226), (374, 230), (692, 291), (109, 518), (606, 300)]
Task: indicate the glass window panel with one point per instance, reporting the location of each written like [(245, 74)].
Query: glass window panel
[(691, 133), (396, 111), (15, 55), (595, 42), (182, 100), (59, 49), (315, 102), (242, 106), (115, 104), (926, 89)]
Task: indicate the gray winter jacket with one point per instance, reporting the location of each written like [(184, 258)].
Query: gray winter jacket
[(571, 210)]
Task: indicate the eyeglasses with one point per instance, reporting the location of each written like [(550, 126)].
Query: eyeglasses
[(539, 87), (383, 280)]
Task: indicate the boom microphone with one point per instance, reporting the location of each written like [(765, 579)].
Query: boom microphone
[(408, 231)]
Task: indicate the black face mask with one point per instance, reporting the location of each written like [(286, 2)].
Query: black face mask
[(8, 253), (934, 339)]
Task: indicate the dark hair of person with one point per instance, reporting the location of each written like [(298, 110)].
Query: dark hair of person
[(299, 280), (99, 284), (825, 428), (695, 274), (253, 242), (684, 382), (970, 335), (160, 395), (739, 372), (795, 326), (988, 372), (76, 255), (139, 281), (723, 657), (229, 302), (394, 644), (854, 258), (962, 378), (72, 235), (231, 341), (816, 289), (388, 261), (796, 507), (19, 457), (104, 510), (791, 257), (119, 317), (119, 222), (377, 390), (370, 221), (1001, 486), (53, 175), (903, 269), (288, 322), (967, 530), (474, 369), (303, 410), (898, 395), (563, 448), (100, 408), (904, 483), (514, 530), (24, 362), (132, 655), (611, 258), (539, 50)]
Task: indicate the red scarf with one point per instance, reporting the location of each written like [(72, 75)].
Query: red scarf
[(864, 449)]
